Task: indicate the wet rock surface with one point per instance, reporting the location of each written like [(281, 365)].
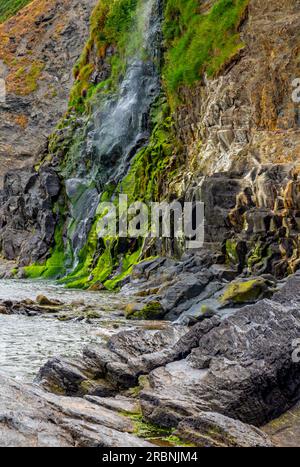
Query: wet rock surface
[(193, 288), (109, 367), (242, 368), (30, 417), (210, 429), (285, 430), (239, 367), (31, 308)]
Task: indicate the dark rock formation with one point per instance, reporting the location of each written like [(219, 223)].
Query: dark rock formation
[(26, 308), (27, 220), (38, 48), (253, 218), (104, 368), (192, 287), (240, 366), (30, 417)]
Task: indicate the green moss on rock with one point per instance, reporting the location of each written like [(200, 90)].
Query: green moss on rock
[(54, 267), (111, 26), (154, 167), (174, 440), (161, 436), (150, 311), (146, 429), (255, 257), (244, 292), (231, 251)]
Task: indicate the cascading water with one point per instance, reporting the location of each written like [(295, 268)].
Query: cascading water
[(119, 126)]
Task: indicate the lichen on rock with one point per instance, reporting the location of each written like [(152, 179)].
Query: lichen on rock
[(247, 291)]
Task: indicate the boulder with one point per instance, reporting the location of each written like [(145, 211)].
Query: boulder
[(187, 286), (45, 301), (149, 311), (241, 368), (4, 310), (27, 219), (117, 364), (209, 429), (73, 377), (249, 290)]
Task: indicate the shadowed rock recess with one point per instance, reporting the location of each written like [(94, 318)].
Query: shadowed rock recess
[(169, 100)]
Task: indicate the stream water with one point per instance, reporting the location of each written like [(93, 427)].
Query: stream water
[(26, 343)]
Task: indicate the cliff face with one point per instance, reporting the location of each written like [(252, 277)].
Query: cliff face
[(172, 99), (246, 117), (248, 126), (220, 124), (38, 48)]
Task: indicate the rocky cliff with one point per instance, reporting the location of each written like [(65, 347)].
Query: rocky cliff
[(219, 125), (171, 100), (39, 46)]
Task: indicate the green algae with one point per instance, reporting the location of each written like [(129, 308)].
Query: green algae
[(151, 311)]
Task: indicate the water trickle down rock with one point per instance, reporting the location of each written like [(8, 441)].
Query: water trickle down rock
[(117, 129)]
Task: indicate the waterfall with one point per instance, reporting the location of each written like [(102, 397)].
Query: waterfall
[(118, 127)]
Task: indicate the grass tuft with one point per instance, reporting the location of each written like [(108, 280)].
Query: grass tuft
[(9, 8), (200, 42)]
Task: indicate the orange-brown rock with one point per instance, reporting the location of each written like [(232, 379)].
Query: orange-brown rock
[(38, 48)]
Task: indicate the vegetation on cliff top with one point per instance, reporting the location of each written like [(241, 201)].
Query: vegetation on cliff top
[(196, 42), (111, 26), (9, 8), (200, 42)]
